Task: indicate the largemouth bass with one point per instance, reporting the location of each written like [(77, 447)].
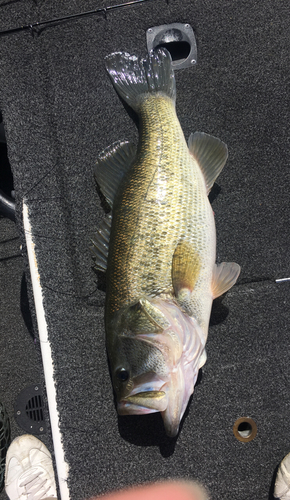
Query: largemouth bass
[(158, 245)]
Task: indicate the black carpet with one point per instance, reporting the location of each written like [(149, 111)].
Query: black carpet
[(60, 110)]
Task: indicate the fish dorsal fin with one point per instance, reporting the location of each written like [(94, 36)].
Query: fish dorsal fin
[(224, 277), (185, 268), (100, 244), (112, 165), (211, 155)]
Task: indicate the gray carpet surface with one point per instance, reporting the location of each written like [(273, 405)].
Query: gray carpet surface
[(60, 110), (21, 365)]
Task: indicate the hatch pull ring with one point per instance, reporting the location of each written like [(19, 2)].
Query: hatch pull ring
[(178, 39)]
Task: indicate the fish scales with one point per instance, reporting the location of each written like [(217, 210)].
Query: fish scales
[(161, 203), (158, 246)]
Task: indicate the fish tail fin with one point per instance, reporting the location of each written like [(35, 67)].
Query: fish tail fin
[(134, 78)]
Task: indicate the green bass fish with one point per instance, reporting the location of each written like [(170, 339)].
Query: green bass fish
[(158, 245)]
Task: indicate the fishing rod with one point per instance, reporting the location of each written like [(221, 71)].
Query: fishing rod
[(35, 28)]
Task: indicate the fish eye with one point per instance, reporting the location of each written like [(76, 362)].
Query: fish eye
[(122, 374)]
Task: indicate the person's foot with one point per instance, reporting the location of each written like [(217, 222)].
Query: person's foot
[(282, 483), (29, 472), (4, 442)]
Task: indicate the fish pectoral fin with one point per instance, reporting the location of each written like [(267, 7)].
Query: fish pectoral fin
[(224, 277), (112, 164), (186, 266), (211, 155), (100, 244)]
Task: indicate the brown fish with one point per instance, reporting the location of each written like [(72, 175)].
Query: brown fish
[(158, 246)]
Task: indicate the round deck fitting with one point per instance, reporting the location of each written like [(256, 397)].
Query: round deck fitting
[(245, 429), (178, 39)]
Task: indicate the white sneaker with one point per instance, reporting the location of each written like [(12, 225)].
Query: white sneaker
[(282, 483), (29, 472)]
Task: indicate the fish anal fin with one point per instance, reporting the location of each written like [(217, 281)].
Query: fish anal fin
[(100, 244), (186, 266), (112, 164), (211, 155), (224, 277)]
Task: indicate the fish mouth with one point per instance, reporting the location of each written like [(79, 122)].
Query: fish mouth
[(167, 392), (143, 402), (148, 395)]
